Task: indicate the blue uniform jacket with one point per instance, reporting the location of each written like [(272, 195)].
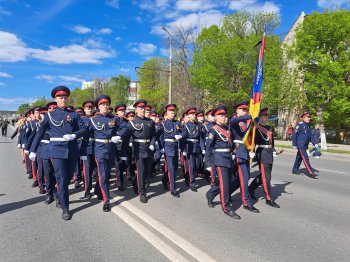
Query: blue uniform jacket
[(301, 135), (168, 130), (191, 130), (60, 122), (239, 125), (142, 128), (217, 142), (315, 136)]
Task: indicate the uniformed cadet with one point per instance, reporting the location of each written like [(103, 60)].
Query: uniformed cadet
[(26, 134), (78, 171), (169, 137), (89, 163), (207, 124), (194, 146), (301, 139), (219, 149), (143, 138), (239, 125), (265, 150), (50, 180), (103, 130), (122, 146), (131, 166), (157, 149), (64, 127)]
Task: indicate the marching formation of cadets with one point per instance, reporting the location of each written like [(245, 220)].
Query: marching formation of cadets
[(61, 143)]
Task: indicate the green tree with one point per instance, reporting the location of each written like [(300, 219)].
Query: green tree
[(40, 102), (153, 82), (322, 52), (23, 108), (118, 89), (224, 61)]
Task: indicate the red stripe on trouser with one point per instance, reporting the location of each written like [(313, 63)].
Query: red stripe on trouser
[(222, 195), (84, 172), (25, 163), (211, 174), (305, 162), (57, 189), (263, 176), (241, 181), (33, 172), (171, 188), (184, 164), (189, 171), (100, 180), (137, 176)]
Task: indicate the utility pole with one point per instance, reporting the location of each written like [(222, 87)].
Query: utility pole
[(170, 64)]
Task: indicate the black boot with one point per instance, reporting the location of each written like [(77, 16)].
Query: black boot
[(175, 194), (49, 199), (210, 201), (106, 207), (35, 184), (252, 193), (272, 203), (66, 215), (143, 198), (58, 203)]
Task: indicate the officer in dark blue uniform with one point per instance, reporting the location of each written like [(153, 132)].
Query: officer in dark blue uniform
[(207, 124), (265, 150), (143, 137), (131, 166), (239, 125), (64, 127), (219, 149), (301, 139), (26, 134), (122, 146), (89, 164), (78, 170), (169, 137), (103, 130), (194, 146)]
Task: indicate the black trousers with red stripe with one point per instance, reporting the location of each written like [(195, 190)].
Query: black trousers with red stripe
[(302, 156), (102, 183), (88, 166), (264, 179), (143, 165), (171, 166)]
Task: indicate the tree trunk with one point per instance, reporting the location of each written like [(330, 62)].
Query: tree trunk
[(322, 130)]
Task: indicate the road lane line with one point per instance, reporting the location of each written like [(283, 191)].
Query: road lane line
[(168, 233), (331, 171), (154, 240)]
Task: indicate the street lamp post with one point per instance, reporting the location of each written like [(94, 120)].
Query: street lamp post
[(170, 64)]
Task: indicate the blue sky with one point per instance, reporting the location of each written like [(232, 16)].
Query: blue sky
[(44, 43)]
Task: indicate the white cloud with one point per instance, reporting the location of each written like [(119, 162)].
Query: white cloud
[(164, 51), (142, 48), (113, 3), (254, 6), (118, 38), (124, 70), (332, 3), (14, 102), (6, 75), (4, 12), (80, 29), (12, 49), (104, 31), (2, 84), (52, 78), (194, 5)]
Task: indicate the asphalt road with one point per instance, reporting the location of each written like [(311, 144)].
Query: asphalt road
[(313, 223)]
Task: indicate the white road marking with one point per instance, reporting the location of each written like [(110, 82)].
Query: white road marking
[(156, 242), (168, 233), (331, 171)]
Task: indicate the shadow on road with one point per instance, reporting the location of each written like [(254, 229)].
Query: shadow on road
[(20, 204)]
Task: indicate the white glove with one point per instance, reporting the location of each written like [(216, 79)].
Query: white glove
[(209, 169), (26, 152), (116, 139), (203, 152), (130, 144), (151, 147), (19, 145), (32, 156), (69, 137), (294, 147), (184, 153), (23, 145), (274, 154), (162, 150), (233, 157), (251, 154), (316, 146), (83, 157), (178, 137), (10, 138)]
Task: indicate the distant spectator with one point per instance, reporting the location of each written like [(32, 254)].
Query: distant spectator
[(289, 133), (4, 124), (315, 140), (13, 121)]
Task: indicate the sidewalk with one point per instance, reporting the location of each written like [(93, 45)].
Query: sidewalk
[(329, 146)]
